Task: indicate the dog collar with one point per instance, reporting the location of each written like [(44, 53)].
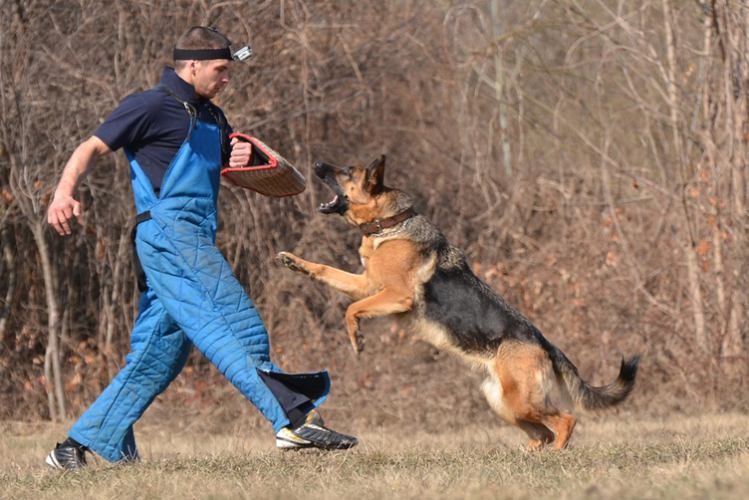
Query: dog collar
[(377, 225)]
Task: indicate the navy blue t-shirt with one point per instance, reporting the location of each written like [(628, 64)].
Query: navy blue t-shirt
[(153, 125)]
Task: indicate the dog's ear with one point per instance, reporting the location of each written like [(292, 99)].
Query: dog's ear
[(375, 175)]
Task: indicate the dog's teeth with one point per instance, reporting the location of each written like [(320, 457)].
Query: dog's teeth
[(330, 203)]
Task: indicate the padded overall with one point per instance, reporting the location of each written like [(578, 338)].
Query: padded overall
[(192, 297)]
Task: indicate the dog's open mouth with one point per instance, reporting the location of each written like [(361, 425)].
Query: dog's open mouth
[(333, 206), (338, 205)]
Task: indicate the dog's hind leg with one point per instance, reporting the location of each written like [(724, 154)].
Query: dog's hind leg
[(527, 378), (562, 424), (539, 434)]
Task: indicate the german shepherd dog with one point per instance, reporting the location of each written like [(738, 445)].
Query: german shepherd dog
[(414, 274)]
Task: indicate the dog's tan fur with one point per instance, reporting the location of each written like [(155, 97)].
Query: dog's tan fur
[(413, 274)]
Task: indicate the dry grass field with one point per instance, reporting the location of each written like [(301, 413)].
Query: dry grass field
[(612, 457), (589, 157)]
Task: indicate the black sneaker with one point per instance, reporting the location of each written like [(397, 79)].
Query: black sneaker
[(313, 434), (67, 456)]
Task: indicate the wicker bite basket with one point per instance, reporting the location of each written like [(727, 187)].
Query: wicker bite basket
[(269, 173)]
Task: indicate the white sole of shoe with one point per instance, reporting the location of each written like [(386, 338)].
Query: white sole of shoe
[(282, 444), (52, 462)]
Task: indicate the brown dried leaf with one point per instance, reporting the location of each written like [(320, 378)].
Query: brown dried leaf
[(611, 259), (702, 248)]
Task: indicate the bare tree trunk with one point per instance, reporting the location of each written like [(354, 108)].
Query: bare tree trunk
[(52, 355), (111, 301), (739, 164), (499, 88), (733, 345), (732, 341), (719, 271), (7, 304), (695, 294), (48, 376), (693, 269)]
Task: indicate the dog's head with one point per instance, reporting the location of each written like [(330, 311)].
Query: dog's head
[(357, 190)]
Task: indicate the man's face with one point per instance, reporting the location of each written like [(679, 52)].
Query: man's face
[(210, 77)]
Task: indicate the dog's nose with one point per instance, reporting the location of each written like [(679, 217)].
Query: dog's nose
[(320, 169)]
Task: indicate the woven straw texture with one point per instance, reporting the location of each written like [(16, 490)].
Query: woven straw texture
[(271, 175)]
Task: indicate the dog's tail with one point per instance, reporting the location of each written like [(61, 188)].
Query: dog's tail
[(591, 399)]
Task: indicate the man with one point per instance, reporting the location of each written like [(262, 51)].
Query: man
[(176, 142)]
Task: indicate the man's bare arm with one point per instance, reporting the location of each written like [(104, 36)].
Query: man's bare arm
[(63, 206)]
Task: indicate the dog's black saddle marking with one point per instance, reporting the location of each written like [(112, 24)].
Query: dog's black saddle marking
[(477, 319)]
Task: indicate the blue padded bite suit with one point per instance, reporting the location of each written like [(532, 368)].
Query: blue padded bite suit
[(192, 297)]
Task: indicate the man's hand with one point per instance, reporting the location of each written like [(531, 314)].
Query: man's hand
[(63, 206), (61, 210), (241, 152)]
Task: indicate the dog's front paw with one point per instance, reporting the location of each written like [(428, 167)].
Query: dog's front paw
[(357, 342), (292, 262)]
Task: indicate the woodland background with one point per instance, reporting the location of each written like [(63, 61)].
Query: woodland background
[(589, 156)]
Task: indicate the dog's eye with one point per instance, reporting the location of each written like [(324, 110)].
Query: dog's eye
[(348, 171)]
